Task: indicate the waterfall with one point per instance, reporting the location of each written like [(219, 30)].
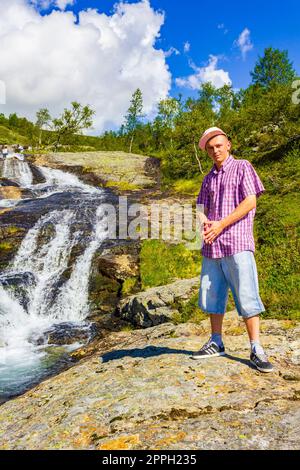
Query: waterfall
[(18, 171), (46, 263), (64, 180), (72, 302), (47, 282)]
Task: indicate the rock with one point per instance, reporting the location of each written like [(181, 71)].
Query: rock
[(120, 262), (141, 390), (14, 192), (10, 239), (116, 169), (38, 177), (18, 283), (7, 182), (67, 333), (154, 306)]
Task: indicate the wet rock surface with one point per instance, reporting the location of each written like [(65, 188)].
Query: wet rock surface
[(67, 333), (141, 390)]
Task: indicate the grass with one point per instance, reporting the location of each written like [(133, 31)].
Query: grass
[(162, 263), (122, 185), (7, 136), (187, 187)]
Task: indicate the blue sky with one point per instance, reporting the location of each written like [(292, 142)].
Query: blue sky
[(271, 23)]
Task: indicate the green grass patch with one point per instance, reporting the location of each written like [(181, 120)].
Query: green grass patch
[(189, 311), (130, 286), (5, 246), (7, 136), (187, 186), (122, 185), (162, 263)]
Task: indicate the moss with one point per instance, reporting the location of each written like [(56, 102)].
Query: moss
[(189, 311), (5, 246), (129, 285), (122, 185)]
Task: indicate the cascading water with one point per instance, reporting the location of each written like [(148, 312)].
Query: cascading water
[(18, 171), (44, 296)]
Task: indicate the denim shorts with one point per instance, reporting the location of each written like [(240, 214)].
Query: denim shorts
[(237, 272)]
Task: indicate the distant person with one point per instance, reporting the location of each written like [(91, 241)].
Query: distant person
[(228, 194), (5, 151)]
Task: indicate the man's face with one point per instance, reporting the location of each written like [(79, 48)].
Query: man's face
[(218, 149)]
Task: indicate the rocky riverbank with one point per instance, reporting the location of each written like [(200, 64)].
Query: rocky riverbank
[(140, 390)]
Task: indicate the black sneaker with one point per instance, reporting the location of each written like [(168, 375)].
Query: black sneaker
[(210, 349), (261, 362)]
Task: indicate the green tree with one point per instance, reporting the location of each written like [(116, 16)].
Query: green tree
[(273, 68), (72, 121), (43, 120), (134, 115)]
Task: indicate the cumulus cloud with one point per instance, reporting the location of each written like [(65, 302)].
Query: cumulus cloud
[(45, 4), (209, 73), (96, 59), (244, 42)]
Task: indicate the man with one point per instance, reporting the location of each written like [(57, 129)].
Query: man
[(228, 194)]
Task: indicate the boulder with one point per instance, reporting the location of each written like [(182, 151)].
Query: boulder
[(67, 333), (154, 306)]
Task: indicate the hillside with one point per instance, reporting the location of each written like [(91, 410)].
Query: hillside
[(8, 136)]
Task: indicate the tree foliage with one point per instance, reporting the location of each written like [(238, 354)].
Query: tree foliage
[(72, 121), (273, 68), (134, 115)]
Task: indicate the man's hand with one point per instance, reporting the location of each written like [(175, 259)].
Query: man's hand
[(212, 228)]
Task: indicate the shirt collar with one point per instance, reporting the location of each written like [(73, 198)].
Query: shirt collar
[(225, 165)]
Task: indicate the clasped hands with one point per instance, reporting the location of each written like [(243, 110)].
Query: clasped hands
[(212, 228)]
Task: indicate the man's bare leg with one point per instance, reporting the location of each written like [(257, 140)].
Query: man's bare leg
[(216, 321), (252, 325)]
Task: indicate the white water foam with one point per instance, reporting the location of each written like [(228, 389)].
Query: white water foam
[(63, 181), (46, 262), (18, 171)]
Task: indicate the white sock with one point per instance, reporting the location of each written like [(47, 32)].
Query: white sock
[(257, 348)]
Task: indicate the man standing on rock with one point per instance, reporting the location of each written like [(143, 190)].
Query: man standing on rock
[(228, 194)]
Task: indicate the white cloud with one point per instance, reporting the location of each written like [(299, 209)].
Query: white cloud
[(45, 4), (51, 60), (244, 42), (172, 51), (186, 47), (209, 73)]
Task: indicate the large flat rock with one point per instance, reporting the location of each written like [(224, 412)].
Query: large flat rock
[(112, 167), (141, 390)]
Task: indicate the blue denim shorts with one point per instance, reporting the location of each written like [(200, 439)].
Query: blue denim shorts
[(237, 272)]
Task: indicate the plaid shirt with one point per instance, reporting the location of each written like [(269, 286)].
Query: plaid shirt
[(221, 192)]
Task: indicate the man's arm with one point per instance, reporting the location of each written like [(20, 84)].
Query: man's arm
[(214, 228)]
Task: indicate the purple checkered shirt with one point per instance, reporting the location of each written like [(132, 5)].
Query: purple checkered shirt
[(221, 192)]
